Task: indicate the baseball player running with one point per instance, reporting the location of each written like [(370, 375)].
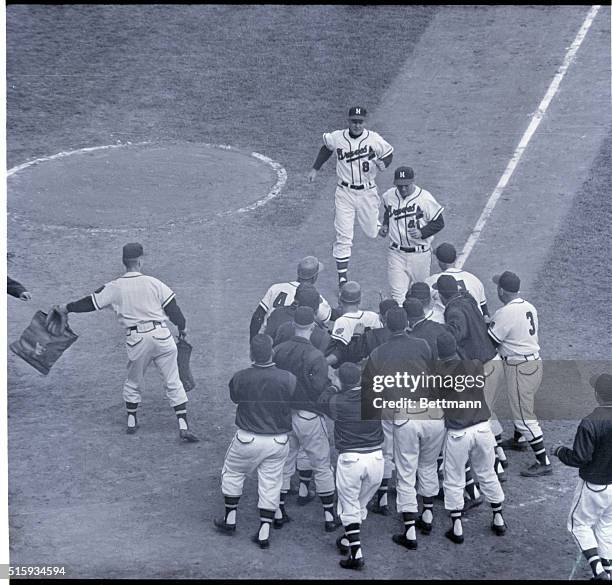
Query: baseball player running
[(514, 329), (412, 217), (360, 155), (359, 468), (468, 436), (143, 304), (590, 519), (282, 294), (263, 395)]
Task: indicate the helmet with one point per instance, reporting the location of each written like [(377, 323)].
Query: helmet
[(350, 292)]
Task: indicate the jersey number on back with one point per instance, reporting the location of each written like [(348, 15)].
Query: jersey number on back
[(279, 301), (529, 316), (461, 285)]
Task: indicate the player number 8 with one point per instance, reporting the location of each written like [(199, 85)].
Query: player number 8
[(365, 165)]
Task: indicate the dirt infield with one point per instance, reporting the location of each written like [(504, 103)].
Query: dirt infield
[(453, 93)]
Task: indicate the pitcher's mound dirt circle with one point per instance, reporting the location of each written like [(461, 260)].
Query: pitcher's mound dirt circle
[(138, 186)]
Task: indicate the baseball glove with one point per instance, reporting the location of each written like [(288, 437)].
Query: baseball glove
[(56, 322), (183, 358)]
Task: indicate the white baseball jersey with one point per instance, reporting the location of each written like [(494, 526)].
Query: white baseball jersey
[(354, 323), (466, 282), (356, 157), (515, 328), (135, 297), (414, 211), (282, 294)]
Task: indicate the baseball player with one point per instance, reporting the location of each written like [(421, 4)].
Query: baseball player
[(353, 322), (590, 519), (17, 290), (282, 294), (305, 295), (143, 304), (420, 323), (514, 329), (360, 155), (446, 255), (308, 365), (263, 395), (412, 217), (468, 436), (359, 468)]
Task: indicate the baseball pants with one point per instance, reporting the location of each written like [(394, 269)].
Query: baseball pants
[(157, 346), (358, 476), (249, 452), (494, 376), (349, 203), (590, 519), (310, 433), (387, 427), (404, 269), (522, 381), (416, 446), (477, 444)]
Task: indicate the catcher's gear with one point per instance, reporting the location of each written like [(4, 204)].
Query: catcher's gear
[(45, 339), (183, 358)]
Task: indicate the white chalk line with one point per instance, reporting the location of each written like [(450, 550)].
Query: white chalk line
[(275, 191), (536, 118)]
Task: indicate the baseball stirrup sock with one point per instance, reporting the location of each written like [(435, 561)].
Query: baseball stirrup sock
[(131, 408), (427, 515), (381, 493), (328, 506), (280, 511), (456, 520), (231, 505), (518, 437), (304, 475), (499, 450), (592, 557), (342, 267), (537, 445), (470, 485), (606, 564), (181, 415), (498, 467), (352, 533), (265, 517), (409, 519), (498, 518)]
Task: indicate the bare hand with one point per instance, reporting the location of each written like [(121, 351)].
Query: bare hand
[(487, 319), (414, 233), (312, 175), (182, 334), (383, 231), (25, 296)]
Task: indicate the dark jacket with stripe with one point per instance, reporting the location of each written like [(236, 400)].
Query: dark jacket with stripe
[(429, 331), (319, 337)]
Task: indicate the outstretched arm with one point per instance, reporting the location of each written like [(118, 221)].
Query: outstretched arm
[(324, 154)]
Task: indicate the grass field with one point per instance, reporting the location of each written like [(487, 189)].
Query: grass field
[(453, 90)]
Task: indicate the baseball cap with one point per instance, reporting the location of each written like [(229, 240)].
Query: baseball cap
[(304, 316), (132, 251), (508, 281), (306, 295), (403, 176), (446, 285), (420, 290), (350, 292), (446, 253), (309, 267), (261, 348), (357, 112), (447, 346), (413, 308), (397, 320), (603, 386), (349, 374), (386, 305)]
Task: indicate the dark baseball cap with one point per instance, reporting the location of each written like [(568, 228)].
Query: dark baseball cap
[(397, 320), (306, 295), (261, 348), (508, 281), (386, 305), (304, 316), (413, 308), (403, 176), (446, 285), (349, 374), (350, 292), (309, 267), (446, 253), (132, 251), (421, 291), (447, 346), (357, 112), (603, 386)]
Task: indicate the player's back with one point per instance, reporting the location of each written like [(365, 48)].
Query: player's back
[(466, 281), (354, 323)]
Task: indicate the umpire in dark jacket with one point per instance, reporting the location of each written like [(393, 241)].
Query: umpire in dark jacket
[(590, 520), (309, 366)]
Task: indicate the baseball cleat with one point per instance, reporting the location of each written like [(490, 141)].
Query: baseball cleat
[(187, 436), (332, 525), (405, 542), (261, 543), (303, 500), (498, 530), (457, 539), (280, 522), (537, 469), (342, 547), (514, 445), (424, 527), (132, 430), (470, 503), (601, 577), (221, 526), (350, 563), (382, 510)]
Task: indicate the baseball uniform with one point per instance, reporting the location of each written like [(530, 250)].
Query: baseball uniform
[(282, 294), (347, 328)]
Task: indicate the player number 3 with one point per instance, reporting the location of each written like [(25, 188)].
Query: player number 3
[(529, 316)]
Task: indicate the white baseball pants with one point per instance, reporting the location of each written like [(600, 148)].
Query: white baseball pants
[(310, 433), (387, 427), (358, 476), (477, 444), (404, 269), (350, 203), (590, 519), (249, 452), (522, 381), (494, 376), (417, 444), (155, 346)]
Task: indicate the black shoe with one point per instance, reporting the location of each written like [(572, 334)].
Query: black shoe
[(333, 525), (221, 526), (403, 541), (303, 500), (424, 527), (514, 445), (454, 537), (537, 469), (351, 563), (498, 530), (132, 430), (382, 510), (342, 547), (470, 503), (280, 522), (601, 577), (262, 543), (187, 436)]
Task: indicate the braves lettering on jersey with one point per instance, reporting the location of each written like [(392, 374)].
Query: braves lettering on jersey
[(414, 211), (354, 323), (356, 157), (515, 328), (282, 294), (135, 297), (466, 281)]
